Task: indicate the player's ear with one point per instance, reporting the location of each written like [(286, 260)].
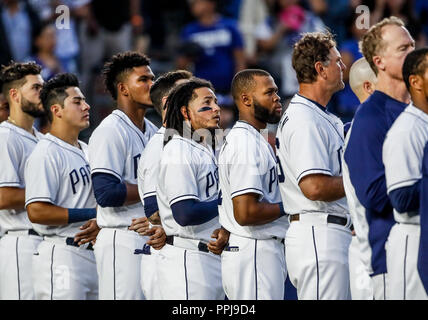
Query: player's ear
[(378, 61), (184, 112), (320, 69), (415, 82), (246, 99), (14, 95), (368, 87), (122, 89), (56, 110)]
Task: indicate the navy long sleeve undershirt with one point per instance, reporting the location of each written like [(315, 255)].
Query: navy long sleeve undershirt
[(108, 190), (405, 199), (192, 212)]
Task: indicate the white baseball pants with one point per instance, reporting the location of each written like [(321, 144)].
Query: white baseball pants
[(64, 272), (189, 274), (118, 266), (253, 269), (402, 248), (16, 254), (317, 258)]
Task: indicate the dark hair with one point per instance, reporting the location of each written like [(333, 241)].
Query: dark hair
[(13, 75), (53, 91), (163, 85), (117, 68), (311, 48), (181, 96), (415, 64), (244, 80)]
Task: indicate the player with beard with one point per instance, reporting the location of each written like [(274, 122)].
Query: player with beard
[(22, 83), (250, 208)]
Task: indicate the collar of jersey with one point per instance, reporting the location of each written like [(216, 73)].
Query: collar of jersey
[(411, 108), (245, 124), (62, 143), (314, 103), (23, 132), (161, 130), (125, 118), (255, 131), (195, 144)]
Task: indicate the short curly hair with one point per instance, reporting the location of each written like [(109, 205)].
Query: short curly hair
[(311, 48), (118, 67), (53, 91), (372, 42), (416, 63), (13, 75), (164, 84)]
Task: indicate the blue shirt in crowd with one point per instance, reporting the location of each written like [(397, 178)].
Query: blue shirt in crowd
[(216, 62)]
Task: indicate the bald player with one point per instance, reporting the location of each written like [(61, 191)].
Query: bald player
[(362, 81)]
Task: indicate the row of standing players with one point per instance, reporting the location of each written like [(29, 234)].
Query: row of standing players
[(215, 226)]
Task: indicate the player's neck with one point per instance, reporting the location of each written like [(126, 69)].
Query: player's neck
[(420, 102), (65, 133), (135, 114), (394, 88), (315, 92), (21, 119), (252, 121)]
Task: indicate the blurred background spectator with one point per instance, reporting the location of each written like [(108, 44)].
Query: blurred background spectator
[(212, 38)]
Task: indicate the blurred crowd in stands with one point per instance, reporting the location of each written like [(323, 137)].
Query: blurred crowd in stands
[(211, 38)]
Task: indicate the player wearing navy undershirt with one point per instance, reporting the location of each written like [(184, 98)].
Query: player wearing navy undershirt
[(423, 212), (385, 47)]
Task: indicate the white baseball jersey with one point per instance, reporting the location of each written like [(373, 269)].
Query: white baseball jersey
[(309, 141), (187, 170), (59, 173), (148, 168), (247, 164), (403, 152), (16, 145), (358, 215), (115, 148)]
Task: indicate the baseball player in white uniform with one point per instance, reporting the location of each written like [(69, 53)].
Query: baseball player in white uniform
[(187, 195), (115, 149), (59, 198), (22, 83), (148, 169), (253, 263), (309, 144), (402, 156), (363, 81)]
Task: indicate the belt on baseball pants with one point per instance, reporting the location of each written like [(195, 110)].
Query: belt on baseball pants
[(28, 232), (230, 248), (68, 241), (187, 243), (330, 219)]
